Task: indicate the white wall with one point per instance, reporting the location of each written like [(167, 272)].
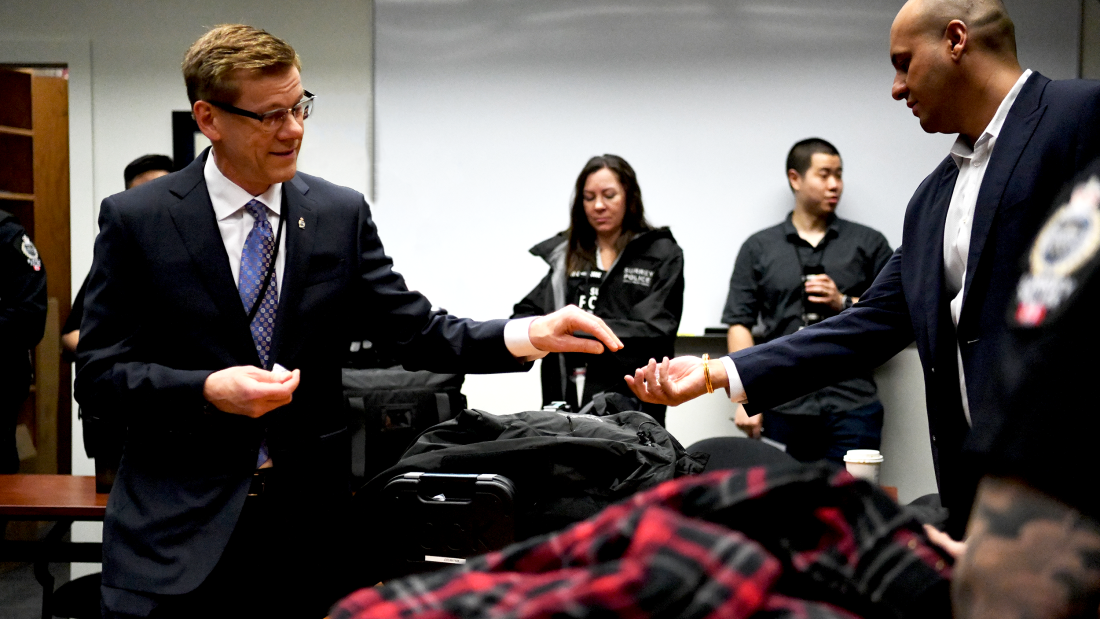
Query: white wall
[(486, 111), (125, 81)]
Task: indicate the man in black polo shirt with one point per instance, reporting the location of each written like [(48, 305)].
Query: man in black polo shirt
[(811, 266)]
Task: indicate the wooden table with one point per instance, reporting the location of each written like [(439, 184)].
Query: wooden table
[(61, 499)]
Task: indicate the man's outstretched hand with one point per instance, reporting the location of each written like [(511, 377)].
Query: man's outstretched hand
[(675, 381), (247, 390), (554, 332)]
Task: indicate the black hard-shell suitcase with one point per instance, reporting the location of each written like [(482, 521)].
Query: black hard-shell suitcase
[(442, 518)]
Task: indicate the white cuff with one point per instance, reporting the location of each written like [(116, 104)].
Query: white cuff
[(518, 340), (735, 390)]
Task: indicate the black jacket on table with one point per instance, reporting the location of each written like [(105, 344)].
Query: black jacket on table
[(641, 298), (163, 313), (565, 466), (22, 323)]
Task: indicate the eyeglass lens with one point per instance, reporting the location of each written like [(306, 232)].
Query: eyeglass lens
[(301, 112)]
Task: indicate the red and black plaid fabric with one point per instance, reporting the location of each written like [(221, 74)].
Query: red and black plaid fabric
[(803, 541)]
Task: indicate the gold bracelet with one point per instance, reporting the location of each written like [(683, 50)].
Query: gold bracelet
[(706, 372)]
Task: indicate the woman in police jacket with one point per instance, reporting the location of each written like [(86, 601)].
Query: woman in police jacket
[(612, 263)]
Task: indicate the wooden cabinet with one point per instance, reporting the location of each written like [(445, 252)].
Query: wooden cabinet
[(34, 186)]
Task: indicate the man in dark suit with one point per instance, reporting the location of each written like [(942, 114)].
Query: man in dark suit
[(220, 303), (1021, 137)]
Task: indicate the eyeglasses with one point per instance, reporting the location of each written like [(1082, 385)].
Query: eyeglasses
[(269, 121)]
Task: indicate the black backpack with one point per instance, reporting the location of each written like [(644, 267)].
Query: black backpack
[(389, 407)]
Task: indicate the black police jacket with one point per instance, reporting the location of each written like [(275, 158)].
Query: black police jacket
[(641, 298), (22, 298), (1047, 425)]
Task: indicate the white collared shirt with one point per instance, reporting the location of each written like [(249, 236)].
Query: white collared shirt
[(956, 234), (235, 222), (972, 163)]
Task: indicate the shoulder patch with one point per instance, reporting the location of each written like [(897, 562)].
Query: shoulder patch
[(1068, 241), (638, 276), (31, 253)]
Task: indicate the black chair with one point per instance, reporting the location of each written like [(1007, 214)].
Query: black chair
[(929, 510), (735, 452)]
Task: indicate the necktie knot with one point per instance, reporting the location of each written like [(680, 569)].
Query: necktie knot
[(257, 210)]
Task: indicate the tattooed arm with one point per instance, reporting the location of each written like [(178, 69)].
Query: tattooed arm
[(1027, 556)]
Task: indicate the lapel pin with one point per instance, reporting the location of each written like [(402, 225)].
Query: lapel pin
[(302, 222)]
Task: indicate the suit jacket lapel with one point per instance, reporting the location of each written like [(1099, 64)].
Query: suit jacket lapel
[(932, 287), (995, 191), (299, 247), (197, 226)]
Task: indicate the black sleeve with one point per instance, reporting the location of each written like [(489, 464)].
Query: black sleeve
[(1042, 370), (1042, 393), (22, 289), (881, 256), (742, 302), (534, 304), (877, 255)]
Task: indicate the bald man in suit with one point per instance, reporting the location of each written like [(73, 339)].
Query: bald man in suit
[(1021, 137)]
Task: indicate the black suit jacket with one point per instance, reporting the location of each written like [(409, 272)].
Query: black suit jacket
[(1051, 132), (163, 313)]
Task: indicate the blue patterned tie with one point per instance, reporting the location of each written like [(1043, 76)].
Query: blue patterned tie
[(259, 247)]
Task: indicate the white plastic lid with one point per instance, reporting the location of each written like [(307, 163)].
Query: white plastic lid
[(863, 456)]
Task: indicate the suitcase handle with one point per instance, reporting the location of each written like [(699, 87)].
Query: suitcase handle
[(448, 488)]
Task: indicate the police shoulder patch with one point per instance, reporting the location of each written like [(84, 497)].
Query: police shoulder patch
[(638, 276), (31, 253), (1068, 241)]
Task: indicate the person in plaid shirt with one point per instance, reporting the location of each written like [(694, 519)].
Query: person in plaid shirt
[(791, 541)]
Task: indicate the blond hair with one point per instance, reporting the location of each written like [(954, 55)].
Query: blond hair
[(211, 62)]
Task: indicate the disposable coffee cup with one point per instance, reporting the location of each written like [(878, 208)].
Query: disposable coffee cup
[(864, 464)]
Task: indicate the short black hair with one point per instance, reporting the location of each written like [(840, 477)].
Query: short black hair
[(146, 163), (802, 154)]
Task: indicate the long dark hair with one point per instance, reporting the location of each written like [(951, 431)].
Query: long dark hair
[(581, 253)]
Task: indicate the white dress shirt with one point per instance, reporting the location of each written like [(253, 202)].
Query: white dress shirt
[(971, 162), (235, 222)]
